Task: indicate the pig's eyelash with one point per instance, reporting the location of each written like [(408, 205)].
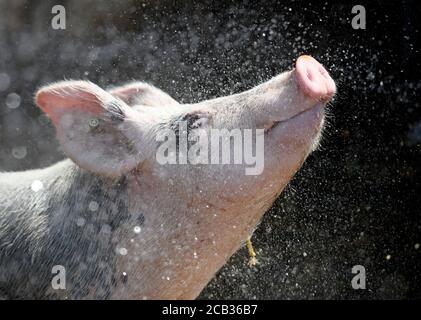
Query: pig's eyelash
[(116, 112)]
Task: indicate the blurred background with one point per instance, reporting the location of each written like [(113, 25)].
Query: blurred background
[(357, 200)]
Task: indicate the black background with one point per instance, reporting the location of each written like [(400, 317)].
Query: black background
[(356, 200)]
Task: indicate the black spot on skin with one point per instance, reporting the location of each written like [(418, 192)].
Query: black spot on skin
[(141, 219), (193, 121)]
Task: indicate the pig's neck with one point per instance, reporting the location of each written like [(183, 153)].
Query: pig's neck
[(73, 219), (186, 236)]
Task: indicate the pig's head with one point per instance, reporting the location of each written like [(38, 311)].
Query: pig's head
[(114, 133)]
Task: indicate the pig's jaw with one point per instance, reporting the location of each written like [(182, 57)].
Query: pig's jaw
[(314, 117), (317, 138), (186, 237)]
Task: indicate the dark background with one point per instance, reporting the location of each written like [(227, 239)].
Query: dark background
[(356, 201)]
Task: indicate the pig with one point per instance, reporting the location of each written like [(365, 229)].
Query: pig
[(123, 226)]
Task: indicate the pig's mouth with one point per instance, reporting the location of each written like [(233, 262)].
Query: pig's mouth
[(275, 124)]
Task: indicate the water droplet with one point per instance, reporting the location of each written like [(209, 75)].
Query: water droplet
[(80, 222), (122, 251), (43, 119), (37, 185), (13, 100), (93, 206), (19, 152)]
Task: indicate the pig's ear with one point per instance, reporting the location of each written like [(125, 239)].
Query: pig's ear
[(91, 126), (141, 93)]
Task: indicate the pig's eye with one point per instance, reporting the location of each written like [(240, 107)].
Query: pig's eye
[(95, 125)]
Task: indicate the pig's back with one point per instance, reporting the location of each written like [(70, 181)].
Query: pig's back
[(24, 224), (41, 226)]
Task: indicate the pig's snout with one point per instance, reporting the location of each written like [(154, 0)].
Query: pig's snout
[(313, 79)]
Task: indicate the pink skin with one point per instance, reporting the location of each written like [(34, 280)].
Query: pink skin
[(313, 79), (197, 216)]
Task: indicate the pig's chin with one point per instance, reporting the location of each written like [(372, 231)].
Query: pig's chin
[(306, 126)]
